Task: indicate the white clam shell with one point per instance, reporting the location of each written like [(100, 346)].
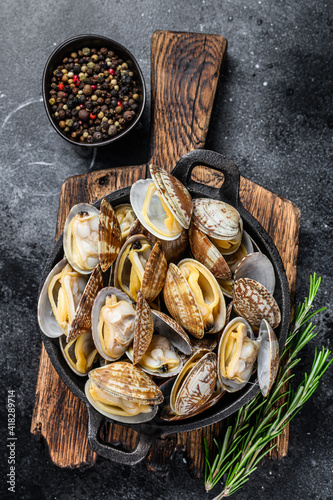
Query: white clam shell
[(76, 209), (47, 322), (136, 419), (137, 198), (258, 267), (228, 384), (268, 357), (98, 304)]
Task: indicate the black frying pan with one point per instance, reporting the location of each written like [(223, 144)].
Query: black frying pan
[(229, 192)]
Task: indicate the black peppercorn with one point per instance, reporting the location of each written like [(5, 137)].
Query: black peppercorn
[(89, 105), (97, 136), (83, 115)]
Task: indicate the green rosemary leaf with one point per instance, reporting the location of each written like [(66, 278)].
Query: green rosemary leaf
[(259, 421)]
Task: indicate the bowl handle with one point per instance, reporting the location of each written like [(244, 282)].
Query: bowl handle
[(228, 192), (109, 451)]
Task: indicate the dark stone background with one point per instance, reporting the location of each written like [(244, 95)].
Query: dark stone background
[(273, 116)]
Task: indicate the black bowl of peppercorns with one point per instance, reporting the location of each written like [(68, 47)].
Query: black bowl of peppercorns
[(93, 90)]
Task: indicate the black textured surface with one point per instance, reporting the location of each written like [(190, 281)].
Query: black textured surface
[(273, 117)]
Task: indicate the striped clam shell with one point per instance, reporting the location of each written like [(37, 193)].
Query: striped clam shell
[(195, 384), (252, 301), (82, 320), (127, 381), (174, 193), (181, 303), (143, 328), (216, 218), (155, 273), (109, 235), (206, 252)]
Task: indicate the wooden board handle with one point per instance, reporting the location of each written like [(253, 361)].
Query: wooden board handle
[(185, 69)]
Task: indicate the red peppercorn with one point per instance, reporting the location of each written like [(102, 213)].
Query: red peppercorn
[(93, 117), (112, 71), (61, 86), (120, 103), (93, 87), (81, 106)]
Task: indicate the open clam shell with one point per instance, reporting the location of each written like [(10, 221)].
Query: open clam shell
[(81, 238), (258, 267), (252, 301), (113, 318), (237, 354), (162, 204), (181, 303), (123, 392), (80, 353), (206, 252), (207, 293), (220, 221), (140, 267), (268, 357), (109, 235), (65, 304), (195, 384)]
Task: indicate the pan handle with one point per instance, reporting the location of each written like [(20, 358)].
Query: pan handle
[(228, 192), (110, 452)]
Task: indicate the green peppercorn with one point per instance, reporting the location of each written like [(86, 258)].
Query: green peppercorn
[(52, 101), (91, 65), (86, 51), (69, 123), (94, 57)]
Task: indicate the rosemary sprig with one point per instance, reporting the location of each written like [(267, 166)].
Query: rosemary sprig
[(263, 419)]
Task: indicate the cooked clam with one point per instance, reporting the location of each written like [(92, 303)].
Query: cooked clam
[(81, 238), (80, 353), (162, 204), (239, 351), (123, 392), (113, 318), (193, 298), (237, 354), (195, 383), (220, 221), (59, 299), (141, 267)]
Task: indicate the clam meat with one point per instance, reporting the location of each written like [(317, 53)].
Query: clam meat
[(81, 238), (80, 353), (113, 318)]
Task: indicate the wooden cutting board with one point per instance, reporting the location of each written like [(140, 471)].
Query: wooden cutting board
[(185, 73)]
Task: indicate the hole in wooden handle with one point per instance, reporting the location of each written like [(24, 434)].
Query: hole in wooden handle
[(207, 176)]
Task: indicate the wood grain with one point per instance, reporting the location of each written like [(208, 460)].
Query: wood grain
[(184, 81)]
